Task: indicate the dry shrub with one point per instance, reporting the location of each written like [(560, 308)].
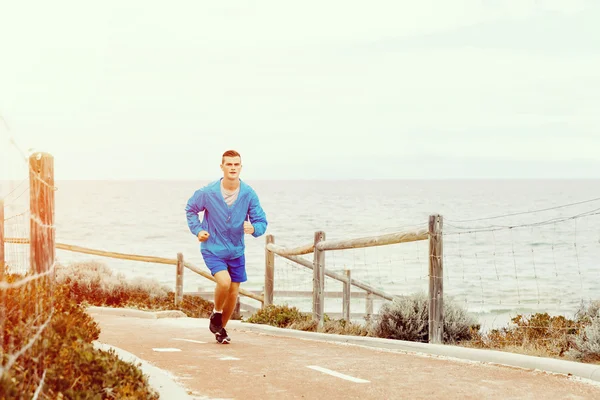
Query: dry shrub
[(551, 334), (586, 313), (407, 318), (586, 344), (95, 284)]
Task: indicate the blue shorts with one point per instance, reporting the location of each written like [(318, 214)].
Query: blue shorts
[(236, 266)]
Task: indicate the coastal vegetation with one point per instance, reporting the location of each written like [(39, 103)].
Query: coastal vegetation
[(74, 368)]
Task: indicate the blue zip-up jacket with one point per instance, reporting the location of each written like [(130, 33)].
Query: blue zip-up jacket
[(225, 224)]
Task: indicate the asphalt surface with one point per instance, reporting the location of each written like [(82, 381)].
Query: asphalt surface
[(264, 365)]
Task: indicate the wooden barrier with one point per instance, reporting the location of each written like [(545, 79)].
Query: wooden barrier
[(121, 256), (179, 280), (309, 293), (436, 280), (342, 278), (319, 281), (269, 272), (296, 251), (41, 204), (433, 233), (347, 295), (318, 266), (209, 295), (135, 257), (380, 240)]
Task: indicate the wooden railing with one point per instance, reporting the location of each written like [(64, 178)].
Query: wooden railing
[(249, 309), (178, 261), (320, 245), (318, 249)]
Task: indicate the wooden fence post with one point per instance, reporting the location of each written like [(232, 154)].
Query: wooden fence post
[(237, 310), (346, 296), (41, 203), (179, 280), (1, 240), (436, 281), (319, 281), (269, 273), (369, 306)]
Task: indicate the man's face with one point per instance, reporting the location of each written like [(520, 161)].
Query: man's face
[(231, 167)]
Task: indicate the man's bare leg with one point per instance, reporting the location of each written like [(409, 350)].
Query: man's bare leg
[(221, 289), (230, 302), (221, 293)]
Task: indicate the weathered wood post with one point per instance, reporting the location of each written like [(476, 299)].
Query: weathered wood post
[(269, 272), (436, 281), (369, 306), (319, 281), (237, 310), (179, 280), (346, 296), (2, 260), (41, 203)]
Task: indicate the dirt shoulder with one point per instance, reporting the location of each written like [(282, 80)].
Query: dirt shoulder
[(263, 365)]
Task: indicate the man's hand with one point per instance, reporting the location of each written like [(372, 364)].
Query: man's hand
[(248, 228), (203, 236)]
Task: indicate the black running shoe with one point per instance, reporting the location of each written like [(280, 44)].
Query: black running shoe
[(222, 336), (216, 322)]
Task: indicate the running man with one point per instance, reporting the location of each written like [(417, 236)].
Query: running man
[(231, 209)]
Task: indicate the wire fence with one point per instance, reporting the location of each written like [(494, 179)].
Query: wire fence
[(519, 278), (549, 263), (26, 271)]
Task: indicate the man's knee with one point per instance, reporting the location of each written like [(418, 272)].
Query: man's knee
[(234, 288), (223, 280)]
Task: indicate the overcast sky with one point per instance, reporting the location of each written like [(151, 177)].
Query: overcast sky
[(310, 89)]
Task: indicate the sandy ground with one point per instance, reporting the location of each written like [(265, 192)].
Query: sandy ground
[(264, 366)]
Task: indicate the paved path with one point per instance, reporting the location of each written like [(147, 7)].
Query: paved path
[(264, 366)]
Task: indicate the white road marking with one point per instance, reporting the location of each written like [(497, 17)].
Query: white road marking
[(166, 349), (228, 358), (337, 374), (190, 340)]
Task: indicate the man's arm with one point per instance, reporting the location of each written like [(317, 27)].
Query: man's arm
[(257, 215), (194, 206)]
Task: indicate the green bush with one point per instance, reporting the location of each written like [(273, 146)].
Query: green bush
[(407, 318), (74, 368), (279, 316), (336, 326), (283, 316)]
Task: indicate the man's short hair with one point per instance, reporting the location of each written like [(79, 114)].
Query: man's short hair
[(230, 153)]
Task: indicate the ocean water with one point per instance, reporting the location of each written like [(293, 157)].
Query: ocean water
[(535, 261)]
